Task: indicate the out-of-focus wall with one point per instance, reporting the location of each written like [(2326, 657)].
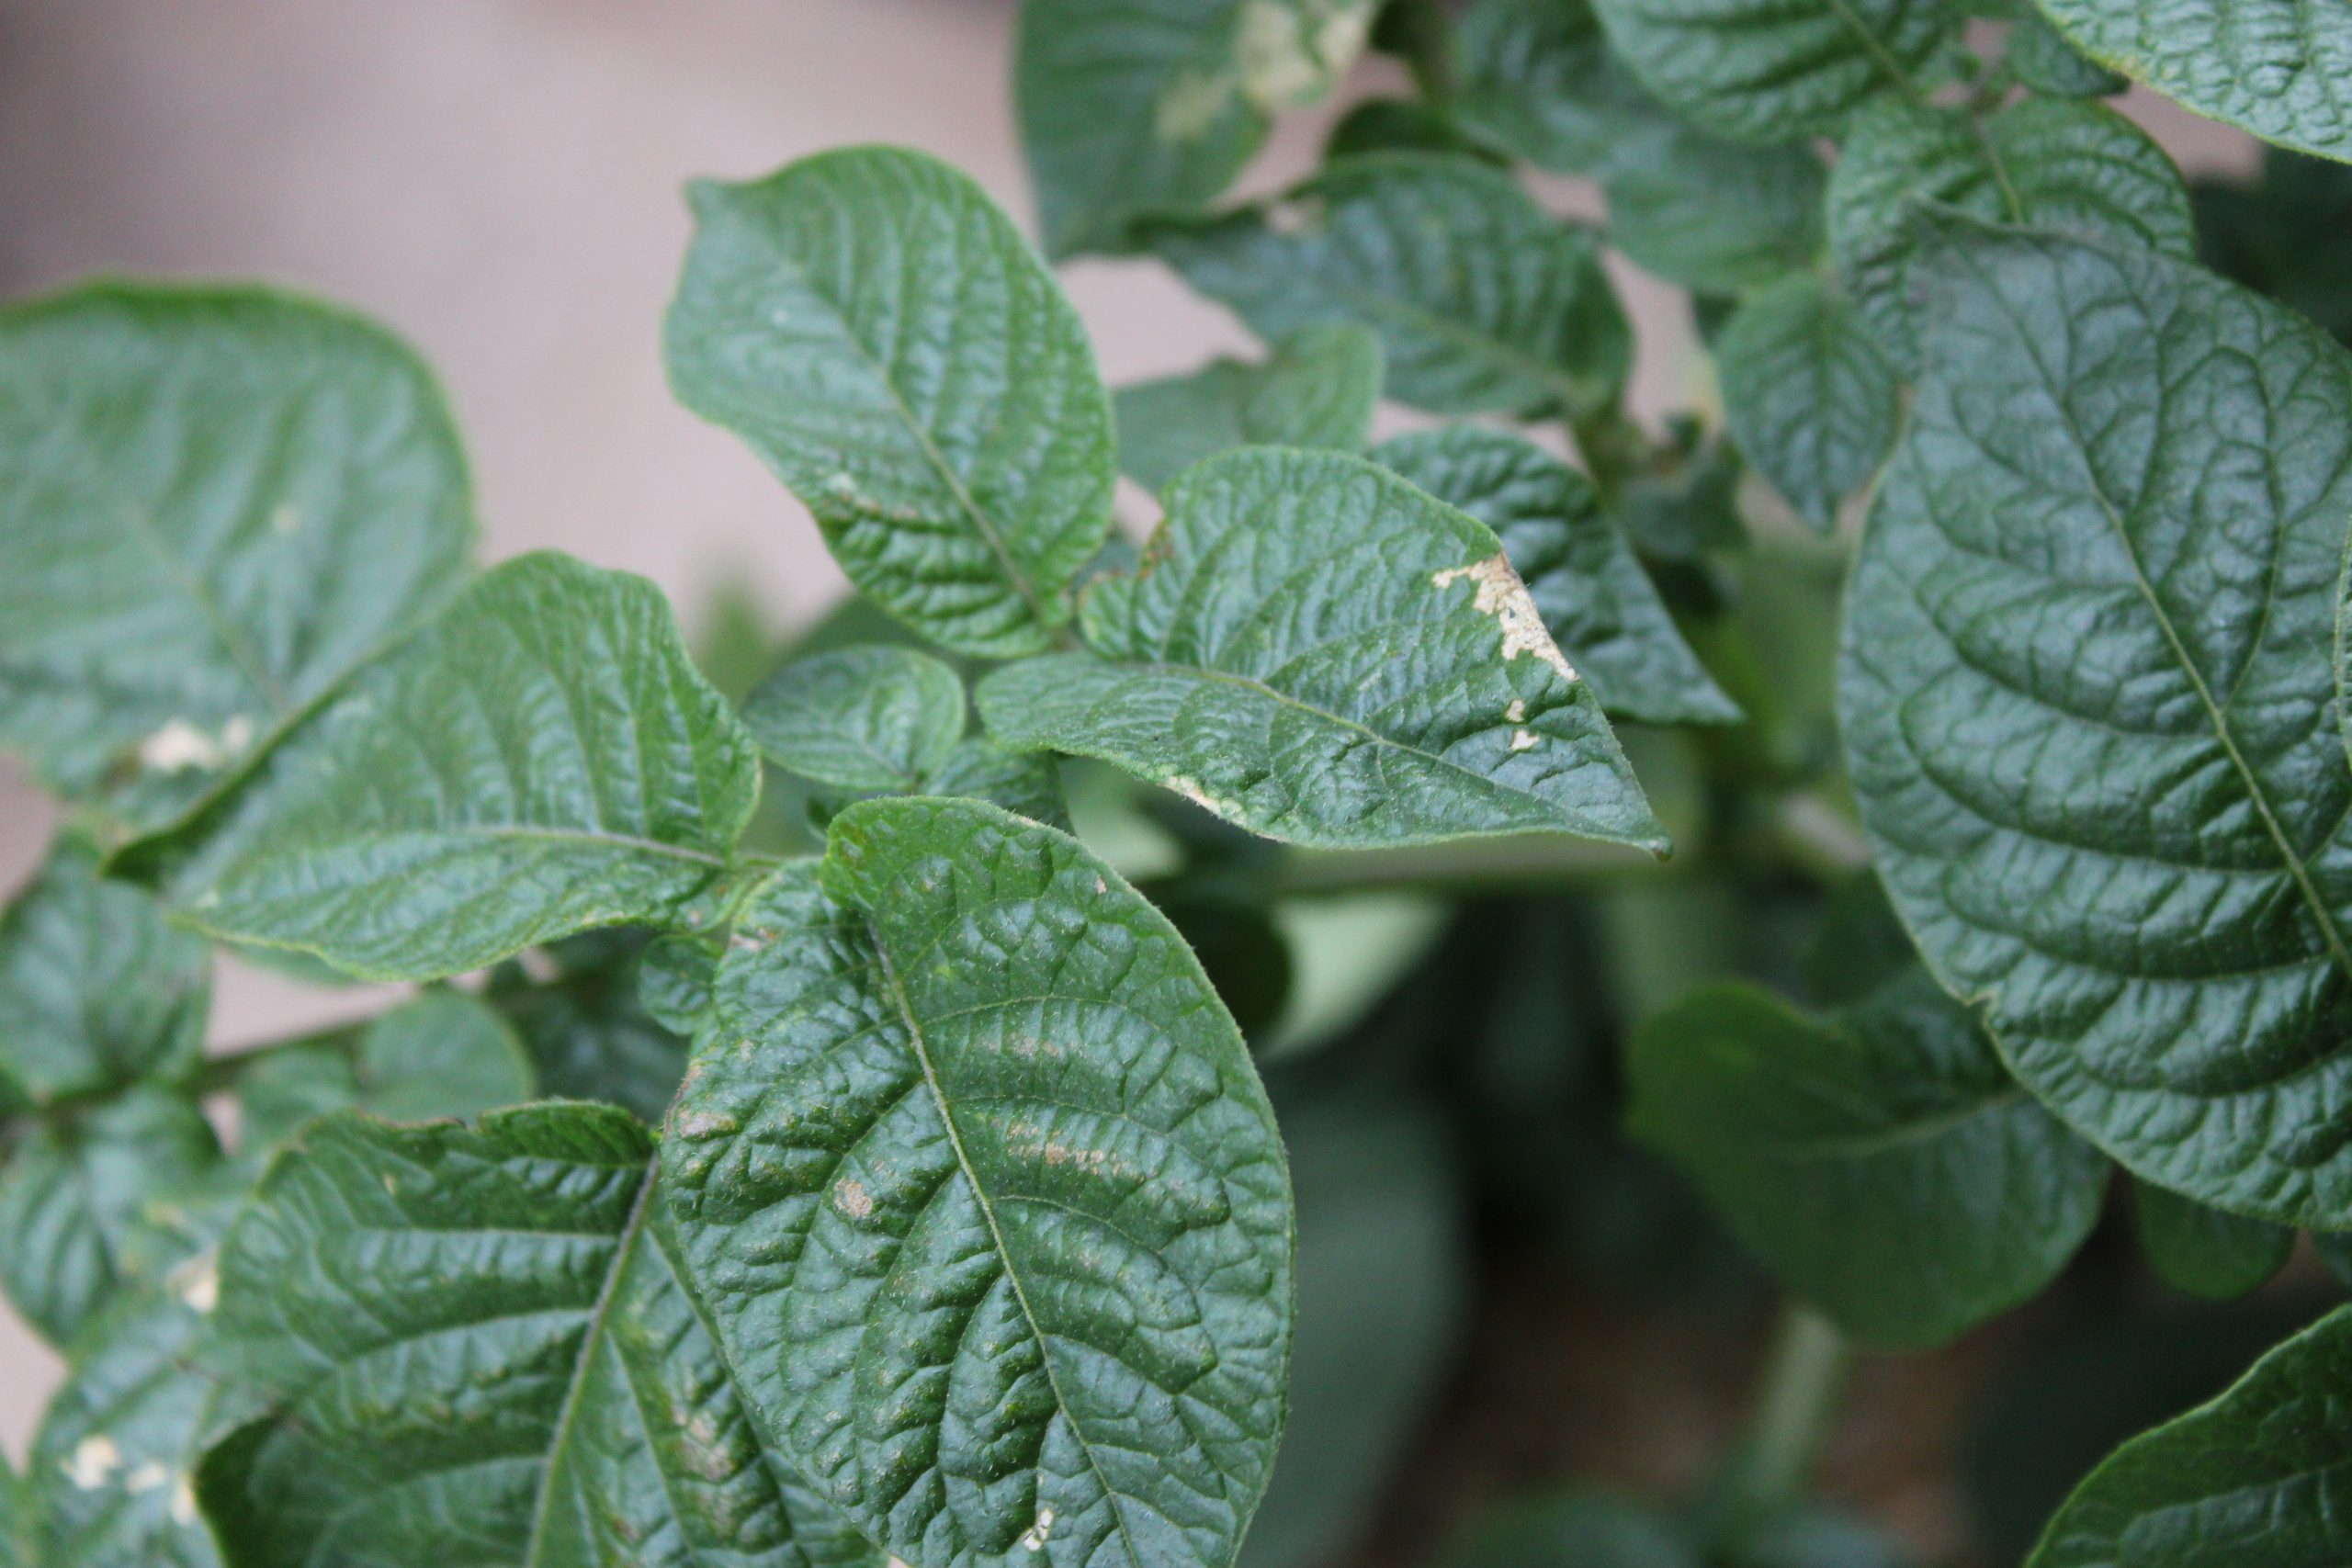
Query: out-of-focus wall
[(499, 180)]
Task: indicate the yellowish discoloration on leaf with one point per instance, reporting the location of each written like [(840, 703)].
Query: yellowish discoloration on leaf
[(704, 1124), (852, 1198), (197, 1282), (1036, 1535), (184, 1501), (180, 744), (1522, 739), (92, 1461), (1191, 790), (1192, 105), (1291, 54), (1517, 712), (1500, 593), (148, 1476)]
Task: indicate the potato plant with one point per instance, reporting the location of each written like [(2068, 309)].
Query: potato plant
[(1886, 812)]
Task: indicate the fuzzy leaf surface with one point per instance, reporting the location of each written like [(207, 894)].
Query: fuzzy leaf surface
[(887, 342), (2096, 757), (1318, 651), (1809, 394), (543, 759), (217, 502), (1316, 388), (987, 1199)]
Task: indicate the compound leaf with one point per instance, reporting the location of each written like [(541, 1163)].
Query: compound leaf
[(1316, 388), (2074, 168), (219, 502), (2279, 68), (1482, 301), (2248, 1478), (2101, 775), (1132, 108), (475, 1345), (1595, 599), (873, 717), (1879, 1158), (2204, 1252), (987, 1199), (443, 1055), (1777, 69), (1318, 651), (541, 760), (885, 340), (1810, 396), (96, 990)]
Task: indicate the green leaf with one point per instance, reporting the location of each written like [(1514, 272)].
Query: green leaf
[(443, 1055), (2248, 1478), (1398, 125), (1808, 393), (986, 1200), (675, 974), (2276, 236), (1132, 108), (218, 501), (1483, 303), (1713, 215), (541, 760), (78, 1202), (1318, 651), (1878, 1157), (983, 768), (1574, 1530), (888, 343), (96, 990), (113, 1463), (2278, 68), (1777, 69), (2203, 1250), (2039, 56), (859, 718), (1538, 82), (1595, 599), (2079, 169), (580, 1009), (1317, 388), (477, 1346), (2098, 767)]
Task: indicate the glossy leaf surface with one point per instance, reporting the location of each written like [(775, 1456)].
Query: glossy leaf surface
[(1811, 397), (859, 718)]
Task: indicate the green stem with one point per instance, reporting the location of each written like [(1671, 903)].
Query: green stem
[(1802, 1383)]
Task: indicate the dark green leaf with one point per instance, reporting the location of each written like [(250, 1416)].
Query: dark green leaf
[(2279, 68), (1810, 396), (1483, 301), (1317, 388), (675, 975), (1710, 214), (1396, 125), (586, 1026), (1574, 1530), (2278, 236), (1595, 599), (2247, 1479), (2101, 777), (78, 1201), (443, 1055), (218, 501), (1777, 69), (885, 339), (987, 1202), (859, 718), (1538, 82), (96, 990), (1318, 651), (2039, 56), (1132, 108), (2073, 168), (542, 760), (477, 1346), (1879, 1158), (983, 768), (2201, 1249)]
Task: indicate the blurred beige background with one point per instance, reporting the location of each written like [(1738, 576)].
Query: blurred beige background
[(498, 180)]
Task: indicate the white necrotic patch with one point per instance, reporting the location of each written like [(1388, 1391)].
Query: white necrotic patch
[(1497, 592)]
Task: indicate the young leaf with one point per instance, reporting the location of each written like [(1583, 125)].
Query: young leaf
[(859, 718), (2203, 1250), (1482, 301), (1713, 215), (1317, 388), (883, 338), (78, 1201), (2079, 169), (1318, 651), (1595, 599), (1879, 1158), (983, 768), (1777, 69), (987, 1202), (113, 1464), (675, 974), (443, 1055), (96, 990), (541, 760), (1808, 393), (1538, 82), (2094, 753), (475, 1344), (219, 502), (1132, 108), (2248, 1478), (2279, 68), (585, 1025)]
